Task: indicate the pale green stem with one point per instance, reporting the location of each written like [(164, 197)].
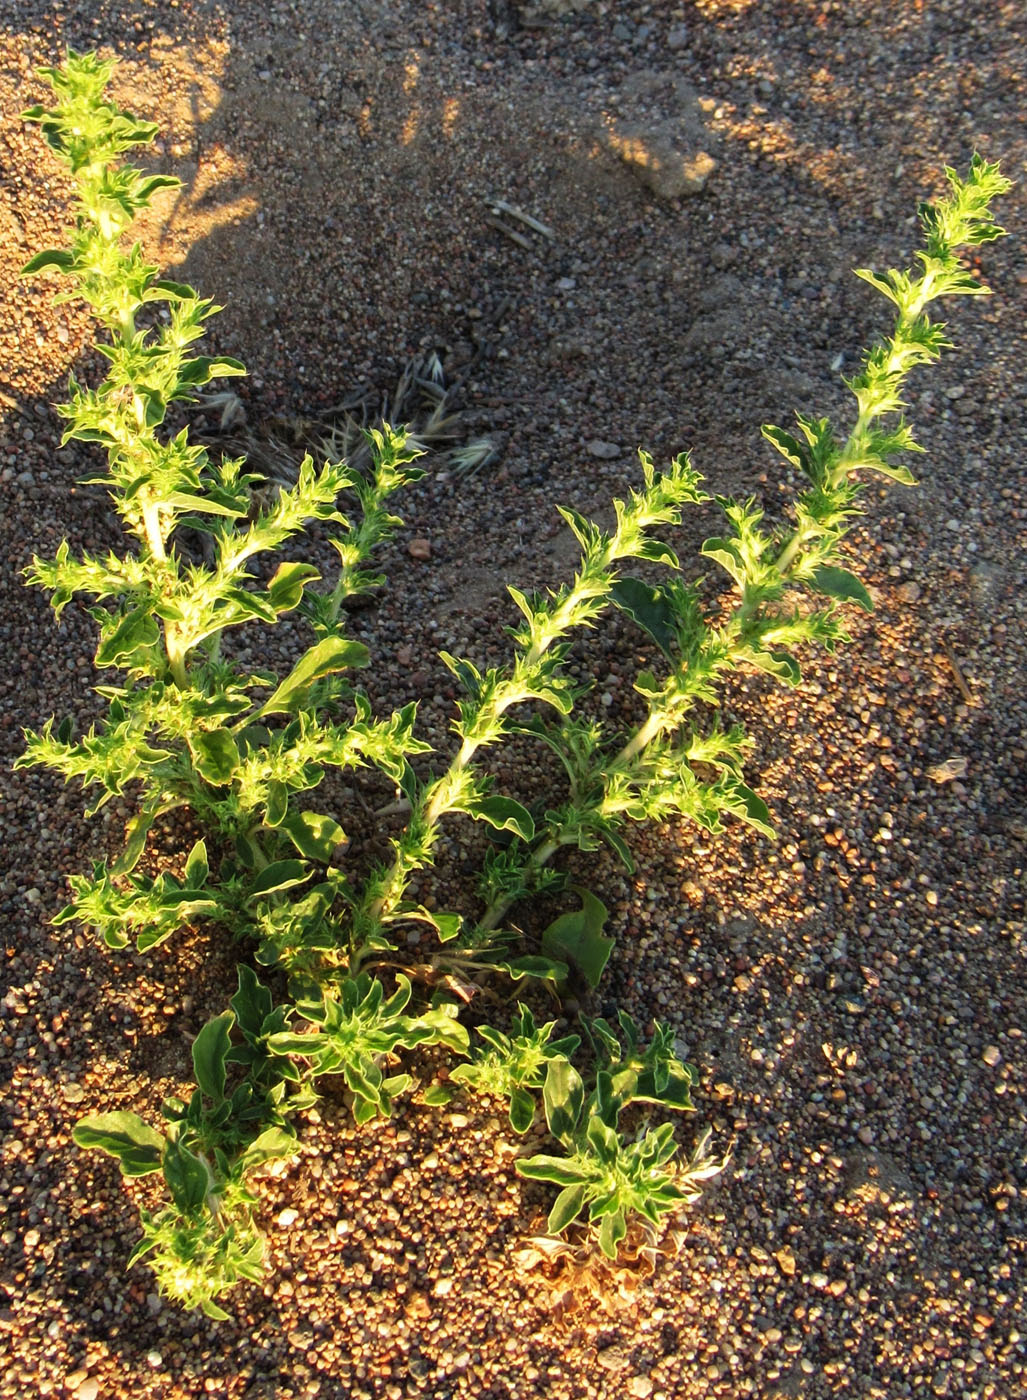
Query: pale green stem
[(438, 801)]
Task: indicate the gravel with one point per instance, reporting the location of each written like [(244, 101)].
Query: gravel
[(855, 992)]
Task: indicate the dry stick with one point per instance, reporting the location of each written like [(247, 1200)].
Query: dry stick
[(500, 206)]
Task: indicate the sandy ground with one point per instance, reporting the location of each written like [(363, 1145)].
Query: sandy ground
[(853, 993)]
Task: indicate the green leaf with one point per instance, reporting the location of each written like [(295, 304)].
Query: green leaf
[(563, 1096), (252, 1003), (196, 867), (723, 552), (840, 584), (506, 815), (756, 812), (656, 552), (285, 590), (437, 1096), (187, 1176), (138, 1147), (650, 608), (775, 663), (447, 926), (51, 257), (578, 937), (172, 291), (277, 808), (566, 1207), (617, 842), (206, 367), (893, 472), (136, 833), (272, 1143), (202, 505), (522, 1109), (561, 1171), (135, 635), (532, 965), (789, 447), (153, 183), (215, 754), (314, 834), (611, 1232), (280, 875), (210, 1047), (329, 655)]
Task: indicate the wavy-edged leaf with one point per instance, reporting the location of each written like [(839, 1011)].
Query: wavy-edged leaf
[(522, 1109), (277, 807), (650, 608), (578, 937), (285, 590), (446, 925), (280, 875), (131, 642), (722, 551), (534, 965), (203, 505), (505, 814), (563, 1096), (840, 584), (271, 1144), (329, 655), (59, 258), (215, 754), (188, 1177), (561, 1171), (314, 834), (206, 367), (566, 1207), (210, 1048), (138, 1147)]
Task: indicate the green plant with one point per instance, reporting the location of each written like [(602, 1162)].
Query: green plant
[(241, 751), (611, 1176)]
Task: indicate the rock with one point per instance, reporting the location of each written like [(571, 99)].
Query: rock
[(991, 1055), (722, 255), (419, 549), (670, 153), (947, 771), (677, 38), (873, 1176), (88, 1389), (418, 1307), (612, 1358), (785, 1261), (640, 1386), (607, 451), (660, 164)]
